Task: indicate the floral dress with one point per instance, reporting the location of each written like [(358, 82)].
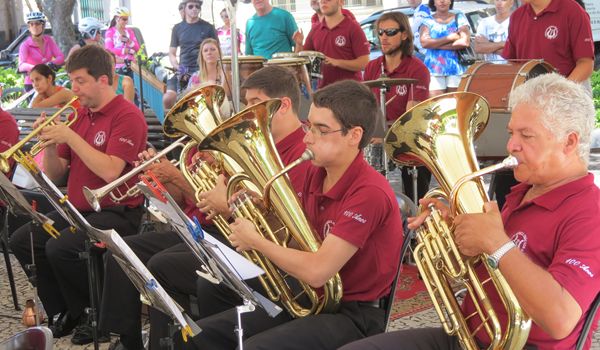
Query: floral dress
[(442, 62)]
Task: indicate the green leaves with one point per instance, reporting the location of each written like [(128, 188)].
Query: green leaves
[(596, 95), (10, 77)]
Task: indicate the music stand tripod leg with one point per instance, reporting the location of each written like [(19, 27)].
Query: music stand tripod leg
[(167, 342), (382, 91), (93, 290), (9, 271), (246, 307)]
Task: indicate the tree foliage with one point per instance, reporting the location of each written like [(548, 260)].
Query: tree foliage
[(59, 13)]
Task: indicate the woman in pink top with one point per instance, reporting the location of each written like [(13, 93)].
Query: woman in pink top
[(38, 48), (121, 40)]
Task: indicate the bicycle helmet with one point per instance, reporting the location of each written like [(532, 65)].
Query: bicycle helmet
[(89, 27), (35, 16), (121, 12)]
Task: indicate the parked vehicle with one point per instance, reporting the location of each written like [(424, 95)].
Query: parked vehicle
[(474, 10)]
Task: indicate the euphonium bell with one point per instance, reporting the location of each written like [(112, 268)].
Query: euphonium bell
[(439, 134)]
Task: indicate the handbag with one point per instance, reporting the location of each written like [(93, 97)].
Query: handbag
[(466, 56)]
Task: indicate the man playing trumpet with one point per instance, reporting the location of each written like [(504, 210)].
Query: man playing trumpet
[(546, 240), (99, 146)]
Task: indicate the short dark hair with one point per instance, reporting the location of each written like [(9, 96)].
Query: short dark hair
[(185, 2), (275, 82), (95, 59), (45, 71), (432, 5), (352, 104), (406, 46)]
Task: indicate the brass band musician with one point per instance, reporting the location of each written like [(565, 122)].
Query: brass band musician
[(354, 211), (545, 242), (99, 146)]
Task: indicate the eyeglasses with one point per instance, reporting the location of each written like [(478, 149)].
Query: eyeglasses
[(390, 32), (225, 17), (318, 132), (36, 23), (124, 19), (191, 6)]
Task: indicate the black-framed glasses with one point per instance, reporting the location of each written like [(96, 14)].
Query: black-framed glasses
[(318, 132), (390, 32), (191, 6)]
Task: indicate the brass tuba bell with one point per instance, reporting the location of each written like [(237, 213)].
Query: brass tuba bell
[(439, 134)]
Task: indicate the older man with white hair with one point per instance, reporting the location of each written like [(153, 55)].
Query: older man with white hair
[(546, 241)]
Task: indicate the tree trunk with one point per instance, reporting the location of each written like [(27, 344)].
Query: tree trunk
[(59, 13)]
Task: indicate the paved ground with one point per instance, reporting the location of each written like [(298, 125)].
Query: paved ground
[(10, 320)]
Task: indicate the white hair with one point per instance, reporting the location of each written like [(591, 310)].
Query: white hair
[(564, 106)]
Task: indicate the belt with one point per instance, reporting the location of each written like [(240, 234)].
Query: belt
[(372, 303)]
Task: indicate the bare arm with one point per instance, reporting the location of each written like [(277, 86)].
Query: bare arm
[(483, 45), (429, 43), (583, 69), (60, 97), (128, 89), (173, 57)]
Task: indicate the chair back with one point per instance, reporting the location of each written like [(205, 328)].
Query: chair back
[(34, 338)]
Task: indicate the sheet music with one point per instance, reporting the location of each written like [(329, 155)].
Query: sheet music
[(17, 204), (176, 217)]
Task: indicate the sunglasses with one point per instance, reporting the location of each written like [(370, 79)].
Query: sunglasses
[(390, 32), (31, 24), (124, 18), (191, 6)]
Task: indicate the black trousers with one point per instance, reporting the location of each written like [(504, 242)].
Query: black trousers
[(411, 339), (324, 331), (62, 277)]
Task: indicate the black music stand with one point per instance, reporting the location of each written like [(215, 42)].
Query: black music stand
[(217, 259)]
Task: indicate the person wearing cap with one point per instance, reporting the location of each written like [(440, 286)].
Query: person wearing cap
[(38, 48), (89, 29), (186, 35), (121, 40)]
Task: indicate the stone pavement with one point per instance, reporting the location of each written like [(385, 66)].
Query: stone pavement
[(10, 320)]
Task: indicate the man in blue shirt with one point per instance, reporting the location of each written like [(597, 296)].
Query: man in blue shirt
[(270, 30)]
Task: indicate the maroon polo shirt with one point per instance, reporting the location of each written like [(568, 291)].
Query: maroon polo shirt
[(345, 41), (399, 95), (9, 132), (290, 149), (361, 209), (560, 232), (119, 129), (561, 34), (347, 13)]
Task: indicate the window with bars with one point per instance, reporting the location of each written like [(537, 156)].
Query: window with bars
[(363, 3), (92, 8), (288, 5)]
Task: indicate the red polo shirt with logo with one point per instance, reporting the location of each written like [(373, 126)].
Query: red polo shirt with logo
[(119, 129), (291, 148), (560, 232), (399, 95), (345, 41), (561, 34), (9, 132), (361, 209)]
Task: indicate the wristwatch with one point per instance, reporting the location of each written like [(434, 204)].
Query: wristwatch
[(494, 258)]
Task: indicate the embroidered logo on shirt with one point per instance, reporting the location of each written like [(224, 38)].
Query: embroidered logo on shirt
[(520, 240), (401, 90), (340, 40), (6, 143), (356, 216), (585, 268), (127, 141), (551, 32), (328, 227), (100, 138)]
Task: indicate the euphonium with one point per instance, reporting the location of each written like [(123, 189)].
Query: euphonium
[(246, 138), (22, 157), (439, 134)]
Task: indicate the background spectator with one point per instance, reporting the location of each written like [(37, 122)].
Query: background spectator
[(442, 35), (270, 30), (48, 94), (420, 14), (121, 40), (492, 32), (89, 29), (38, 48), (224, 34)]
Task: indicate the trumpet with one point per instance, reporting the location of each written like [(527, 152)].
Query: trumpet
[(94, 197), (22, 157)]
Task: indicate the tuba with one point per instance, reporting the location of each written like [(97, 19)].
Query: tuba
[(246, 138), (439, 134)]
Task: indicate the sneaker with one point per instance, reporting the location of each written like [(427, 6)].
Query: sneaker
[(84, 334), (63, 325), (117, 346)]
